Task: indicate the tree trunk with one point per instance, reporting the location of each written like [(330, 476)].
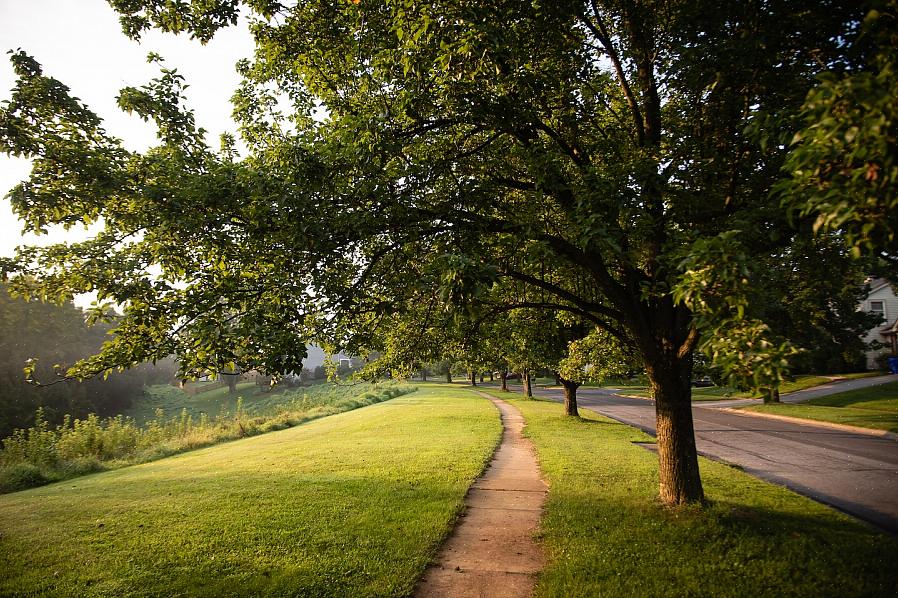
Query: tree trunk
[(423, 375), (525, 379), (570, 397), (481, 377), (558, 380), (772, 395), (503, 376), (671, 383), (491, 375), (448, 376), (473, 378)]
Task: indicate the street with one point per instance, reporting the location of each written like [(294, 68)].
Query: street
[(853, 472)]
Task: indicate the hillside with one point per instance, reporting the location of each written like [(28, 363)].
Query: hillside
[(254, 400), (352, 504)]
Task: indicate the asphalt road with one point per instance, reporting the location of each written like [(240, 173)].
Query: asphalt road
[(853, 472)]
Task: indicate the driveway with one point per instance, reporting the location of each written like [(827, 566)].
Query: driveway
[(855, 473)]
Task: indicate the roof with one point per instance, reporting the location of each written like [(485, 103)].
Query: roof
[(877, 283)]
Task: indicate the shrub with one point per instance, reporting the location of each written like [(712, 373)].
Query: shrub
[(20, 476)]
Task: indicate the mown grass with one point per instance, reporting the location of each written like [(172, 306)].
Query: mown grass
[(874, 407), (42, 454), (716, 393), (350, 505), (606, 534), (255, 400)]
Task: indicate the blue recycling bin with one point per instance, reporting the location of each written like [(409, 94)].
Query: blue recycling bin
[(893, 365)]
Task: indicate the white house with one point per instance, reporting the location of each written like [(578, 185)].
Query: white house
[(881, 300)]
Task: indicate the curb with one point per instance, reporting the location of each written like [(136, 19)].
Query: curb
[(817, 423)]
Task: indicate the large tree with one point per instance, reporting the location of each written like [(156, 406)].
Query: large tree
[(604, 153)]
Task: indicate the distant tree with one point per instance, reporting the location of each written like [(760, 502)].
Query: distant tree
[(49, 339)]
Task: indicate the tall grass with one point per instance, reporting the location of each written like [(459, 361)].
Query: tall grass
[(41, 454)]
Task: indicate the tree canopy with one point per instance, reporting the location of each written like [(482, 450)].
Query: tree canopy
[(609, 160)]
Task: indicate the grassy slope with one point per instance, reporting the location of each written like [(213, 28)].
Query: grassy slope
[(219, 401), (874, 407), (353, 504), (606, 534)]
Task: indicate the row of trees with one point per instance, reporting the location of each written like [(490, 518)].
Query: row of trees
[(640, 179)]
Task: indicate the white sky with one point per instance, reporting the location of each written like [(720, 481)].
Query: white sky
[(80, 43)]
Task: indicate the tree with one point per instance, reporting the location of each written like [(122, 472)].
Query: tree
[(592, 356), (596, 152), (843, 164), (50, 338)]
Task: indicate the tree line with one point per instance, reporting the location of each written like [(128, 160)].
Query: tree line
[(50, 338)]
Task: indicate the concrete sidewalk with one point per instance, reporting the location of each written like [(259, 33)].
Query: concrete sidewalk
[(492, 551)]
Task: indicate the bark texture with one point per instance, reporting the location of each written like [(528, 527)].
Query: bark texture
[(678, 471), (570, 397)]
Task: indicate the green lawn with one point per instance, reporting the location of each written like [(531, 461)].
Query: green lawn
[(874, 407), (255, 400), (350, 505), (606, 535), (716, 393)]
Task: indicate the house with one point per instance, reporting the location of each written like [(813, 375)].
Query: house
[(881, 300)]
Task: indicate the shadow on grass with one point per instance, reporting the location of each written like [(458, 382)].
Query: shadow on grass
[(631, 545)]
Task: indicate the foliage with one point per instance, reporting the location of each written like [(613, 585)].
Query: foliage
[(50, 338), (192, 280), (79, 446), (350, 505), (596, 357), (843, 163)]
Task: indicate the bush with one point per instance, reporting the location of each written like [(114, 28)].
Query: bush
[(20, 476)]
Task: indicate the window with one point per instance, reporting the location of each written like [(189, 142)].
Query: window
[(878, 307)]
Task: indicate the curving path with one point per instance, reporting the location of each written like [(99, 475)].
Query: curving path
[(491, 552)]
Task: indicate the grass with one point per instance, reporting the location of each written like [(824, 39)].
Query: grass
[(874, 407), (606, 535), (41, 454), (350, 505), (717, 393), (255, 399)]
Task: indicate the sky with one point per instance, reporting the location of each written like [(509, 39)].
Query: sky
[(80, 43)]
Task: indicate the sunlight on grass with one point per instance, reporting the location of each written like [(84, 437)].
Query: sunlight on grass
[(875, 407), (606, 534), (715, 393), (350, 505)]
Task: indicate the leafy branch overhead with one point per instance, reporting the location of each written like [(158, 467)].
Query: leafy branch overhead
[(599, 166)]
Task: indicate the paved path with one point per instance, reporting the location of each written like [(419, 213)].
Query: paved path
[(492, 553), (856, 473)]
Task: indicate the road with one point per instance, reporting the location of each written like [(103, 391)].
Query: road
[(853, 472)]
